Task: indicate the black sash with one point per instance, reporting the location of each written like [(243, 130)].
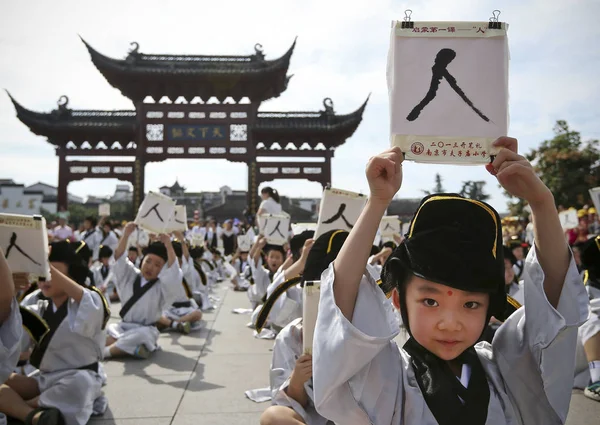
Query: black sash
[(520, 266), (186, 287), (35, 326), (138, 292), (88, 233), (228, 244), (104, 271), (198, 268), (441, 389), (181, 304), (53, 319)]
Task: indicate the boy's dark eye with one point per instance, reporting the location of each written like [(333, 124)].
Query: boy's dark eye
[(430, 302), (472, 305)]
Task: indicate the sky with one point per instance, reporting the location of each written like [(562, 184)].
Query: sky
[(341, 53)]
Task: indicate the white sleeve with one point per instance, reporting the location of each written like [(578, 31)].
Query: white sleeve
[(170, 283), (11, 331), (86, 317), (354, 362), (124, 271), (535, 348)]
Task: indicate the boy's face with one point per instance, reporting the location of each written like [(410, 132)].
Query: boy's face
[(274, 260), (518, 252), (49, 290), (151, 266), (244, 256), (445, 320), (132, 255), (104, 260), (87, 224), (509, 273)]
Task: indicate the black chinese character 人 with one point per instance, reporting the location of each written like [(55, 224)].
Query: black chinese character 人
[(13, 244), (155, 209), (338, 215), (439, 71), (276, 229)]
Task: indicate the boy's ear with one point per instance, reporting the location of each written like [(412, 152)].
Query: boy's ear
[(396, 299)]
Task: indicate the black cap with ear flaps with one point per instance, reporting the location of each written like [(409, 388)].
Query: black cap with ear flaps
[(457, 242), (158, 249)]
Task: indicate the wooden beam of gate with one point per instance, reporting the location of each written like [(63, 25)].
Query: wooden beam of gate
[(79, 170), (313, 171)]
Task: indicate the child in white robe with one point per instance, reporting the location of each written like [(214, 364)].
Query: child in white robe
[(184, 314), (11, 329), (68, 355), (240, 263), (291, 369), (449, 279), (284, 295), (104, 276), (145, 293), (589, 332), (135, 256), (262, 276), (200, 288)]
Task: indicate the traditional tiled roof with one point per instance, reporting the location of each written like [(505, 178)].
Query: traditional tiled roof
[(140, 75)]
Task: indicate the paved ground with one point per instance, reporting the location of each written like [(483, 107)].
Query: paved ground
[(200, 379)]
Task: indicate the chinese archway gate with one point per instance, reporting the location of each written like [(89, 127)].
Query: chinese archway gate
[(192, 107)]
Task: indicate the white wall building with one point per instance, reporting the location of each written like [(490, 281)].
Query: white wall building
[(16, 199)]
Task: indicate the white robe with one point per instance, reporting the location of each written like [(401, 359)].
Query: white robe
[(260, 275), (77, 342), (11, 331), (100, 282), (92, 241), (288, 306), (138, 326), (517, 291), (362, 377), (287, 349), (176, 313)]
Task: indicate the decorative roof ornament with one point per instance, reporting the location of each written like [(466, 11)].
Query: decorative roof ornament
[(259, 52), (63, 106), (134, 53), (328, 104)]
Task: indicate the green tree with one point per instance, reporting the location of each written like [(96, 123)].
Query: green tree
[(567, 165), (474, 190), (438, 188)]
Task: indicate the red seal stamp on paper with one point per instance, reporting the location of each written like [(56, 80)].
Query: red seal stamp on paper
[(417, 148)]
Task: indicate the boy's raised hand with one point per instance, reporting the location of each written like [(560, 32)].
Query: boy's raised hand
[(516, 174), (384, 174)]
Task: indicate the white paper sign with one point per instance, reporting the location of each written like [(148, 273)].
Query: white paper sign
[(275, 228), (155, 212), (595, 195), (390, 226), (244, 243), (24, 240), (298, 228), (339, 210), (178, 221), (405, 228), (311, 293), (139, 237), (568, 219), (448, 90), (104, 210)]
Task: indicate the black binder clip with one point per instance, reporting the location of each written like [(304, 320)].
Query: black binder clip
[(494, 24), (407, 23)]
